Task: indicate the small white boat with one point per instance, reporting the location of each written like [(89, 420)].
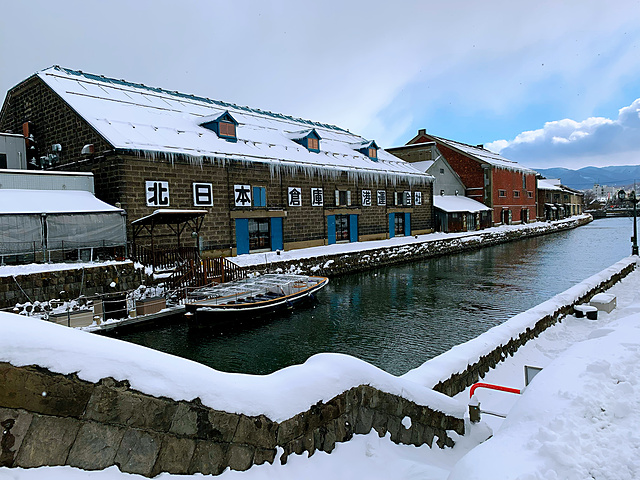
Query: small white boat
[(226, 304)]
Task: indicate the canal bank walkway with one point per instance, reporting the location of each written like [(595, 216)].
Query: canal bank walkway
[(340, 258), (579, 418)]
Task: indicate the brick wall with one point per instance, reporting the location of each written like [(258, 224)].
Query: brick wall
[(120, 177), (517, 198), (53, 120)]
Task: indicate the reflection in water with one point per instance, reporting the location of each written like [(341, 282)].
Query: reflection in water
[(398, 317)]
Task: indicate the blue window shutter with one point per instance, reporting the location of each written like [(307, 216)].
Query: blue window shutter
[(263, 197), (242, 235), (353, 228), (256, 196), (392, 225), (407, 224), (276, 234), (331, 229)]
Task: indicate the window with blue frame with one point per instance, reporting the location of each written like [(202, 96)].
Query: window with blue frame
[(370, 149), (224, 125), (308, 139), (259, 196)]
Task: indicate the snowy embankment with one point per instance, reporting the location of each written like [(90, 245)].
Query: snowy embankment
[(578, 419), (344, 257), (15, 270), (461, 356), (279, 396)]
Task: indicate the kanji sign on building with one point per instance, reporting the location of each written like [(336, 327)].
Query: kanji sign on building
[(417, 198), (407, 198), (382, 197), (366, 198), (242, 195), (203, 194), (157, 193), (317, 197), (295, 197)]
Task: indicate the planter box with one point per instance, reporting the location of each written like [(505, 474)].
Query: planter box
[(150, 305), (604, 302), (80, 318)]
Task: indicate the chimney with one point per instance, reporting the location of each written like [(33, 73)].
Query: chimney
[(480, 145), (422, 131)]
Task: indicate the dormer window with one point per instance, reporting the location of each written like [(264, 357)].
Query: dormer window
[(308, 139), (227, 129), (223, 124), (370, 149)]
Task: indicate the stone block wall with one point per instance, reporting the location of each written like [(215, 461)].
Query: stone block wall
[(343, 263), (88, 281), (53, 419), (53, 121)]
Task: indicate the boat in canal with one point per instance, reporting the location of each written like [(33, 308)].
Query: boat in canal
[(228, 304)]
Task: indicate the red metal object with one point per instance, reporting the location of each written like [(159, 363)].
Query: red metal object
[(492, 387)]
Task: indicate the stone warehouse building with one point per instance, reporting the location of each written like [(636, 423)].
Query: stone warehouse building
[(266, 181), (499, 183)]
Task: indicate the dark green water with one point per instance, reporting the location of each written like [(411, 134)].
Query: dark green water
[(398, 317)]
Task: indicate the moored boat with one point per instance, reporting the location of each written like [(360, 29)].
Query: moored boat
[(226, 304)]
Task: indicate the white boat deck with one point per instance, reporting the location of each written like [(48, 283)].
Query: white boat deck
[(268, 286)]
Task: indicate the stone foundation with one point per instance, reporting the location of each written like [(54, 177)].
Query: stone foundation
[(88, 281), (343, 263), (53, 419)]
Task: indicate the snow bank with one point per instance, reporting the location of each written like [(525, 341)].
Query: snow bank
[(258, 259), (578, 419), (457, 359), (15, 270), (280, 395)]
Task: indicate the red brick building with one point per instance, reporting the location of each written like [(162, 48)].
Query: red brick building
[(266, 181), (501, 184)]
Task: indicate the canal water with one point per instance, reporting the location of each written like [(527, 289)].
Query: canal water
[(398, 317)]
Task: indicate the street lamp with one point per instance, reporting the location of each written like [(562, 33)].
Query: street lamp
[(634, 200)]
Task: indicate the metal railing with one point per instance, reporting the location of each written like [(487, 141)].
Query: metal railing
[(163, 258), (202, 272)]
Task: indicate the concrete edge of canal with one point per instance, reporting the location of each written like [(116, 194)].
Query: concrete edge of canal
[(419, 248), (465, 364)]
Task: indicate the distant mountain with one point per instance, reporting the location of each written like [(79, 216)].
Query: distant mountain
[(585, 178)]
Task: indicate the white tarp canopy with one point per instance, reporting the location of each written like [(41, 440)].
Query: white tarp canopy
[(456, 203), (33, 220)]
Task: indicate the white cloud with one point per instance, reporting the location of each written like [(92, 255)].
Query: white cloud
[(595, 141), (372, 67)]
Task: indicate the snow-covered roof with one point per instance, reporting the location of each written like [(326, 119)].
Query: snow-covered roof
[(456, 203), (152, 121), (20, 201), (424, 165), (549, 184), (484, 155)]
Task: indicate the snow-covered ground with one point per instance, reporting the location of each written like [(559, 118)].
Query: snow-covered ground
[(252, 259), (13, 270), (578, 418)]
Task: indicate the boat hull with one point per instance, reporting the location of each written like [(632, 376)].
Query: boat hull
[(233, 314)]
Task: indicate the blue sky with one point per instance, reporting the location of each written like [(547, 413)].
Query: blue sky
[(547, 83)]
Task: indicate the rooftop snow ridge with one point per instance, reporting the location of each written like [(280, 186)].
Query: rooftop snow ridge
[(185, 96)]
